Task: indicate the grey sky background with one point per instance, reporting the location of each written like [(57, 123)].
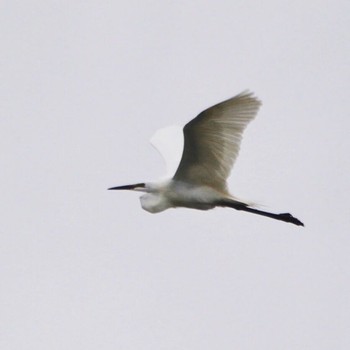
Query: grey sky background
[(83, 86)]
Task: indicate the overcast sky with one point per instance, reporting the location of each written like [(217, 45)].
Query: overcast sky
[(83, 86)]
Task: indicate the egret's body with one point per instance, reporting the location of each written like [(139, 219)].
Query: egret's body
[(211, 146), (172, 193)]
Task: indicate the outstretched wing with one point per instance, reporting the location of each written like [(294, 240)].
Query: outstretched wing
[(212, 141), (169, 142)]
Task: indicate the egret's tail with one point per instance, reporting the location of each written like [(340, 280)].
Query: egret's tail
[(286, 217)]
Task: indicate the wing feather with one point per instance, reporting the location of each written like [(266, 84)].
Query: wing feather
[(212, 141), (169, 143)]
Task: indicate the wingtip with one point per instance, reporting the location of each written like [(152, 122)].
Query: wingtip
[(249, 95)]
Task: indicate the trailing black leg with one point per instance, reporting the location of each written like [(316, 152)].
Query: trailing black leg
[(286, 217)]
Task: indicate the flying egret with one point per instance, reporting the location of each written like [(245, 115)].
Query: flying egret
[(211, 145)]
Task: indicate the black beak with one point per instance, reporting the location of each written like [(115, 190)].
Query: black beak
[(128, 187)]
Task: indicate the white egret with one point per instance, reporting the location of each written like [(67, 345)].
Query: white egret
[(211, 145)]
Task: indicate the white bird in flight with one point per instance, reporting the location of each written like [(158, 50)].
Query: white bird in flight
[(211, 145)]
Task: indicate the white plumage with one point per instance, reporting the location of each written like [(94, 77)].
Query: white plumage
[(211, 146)]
